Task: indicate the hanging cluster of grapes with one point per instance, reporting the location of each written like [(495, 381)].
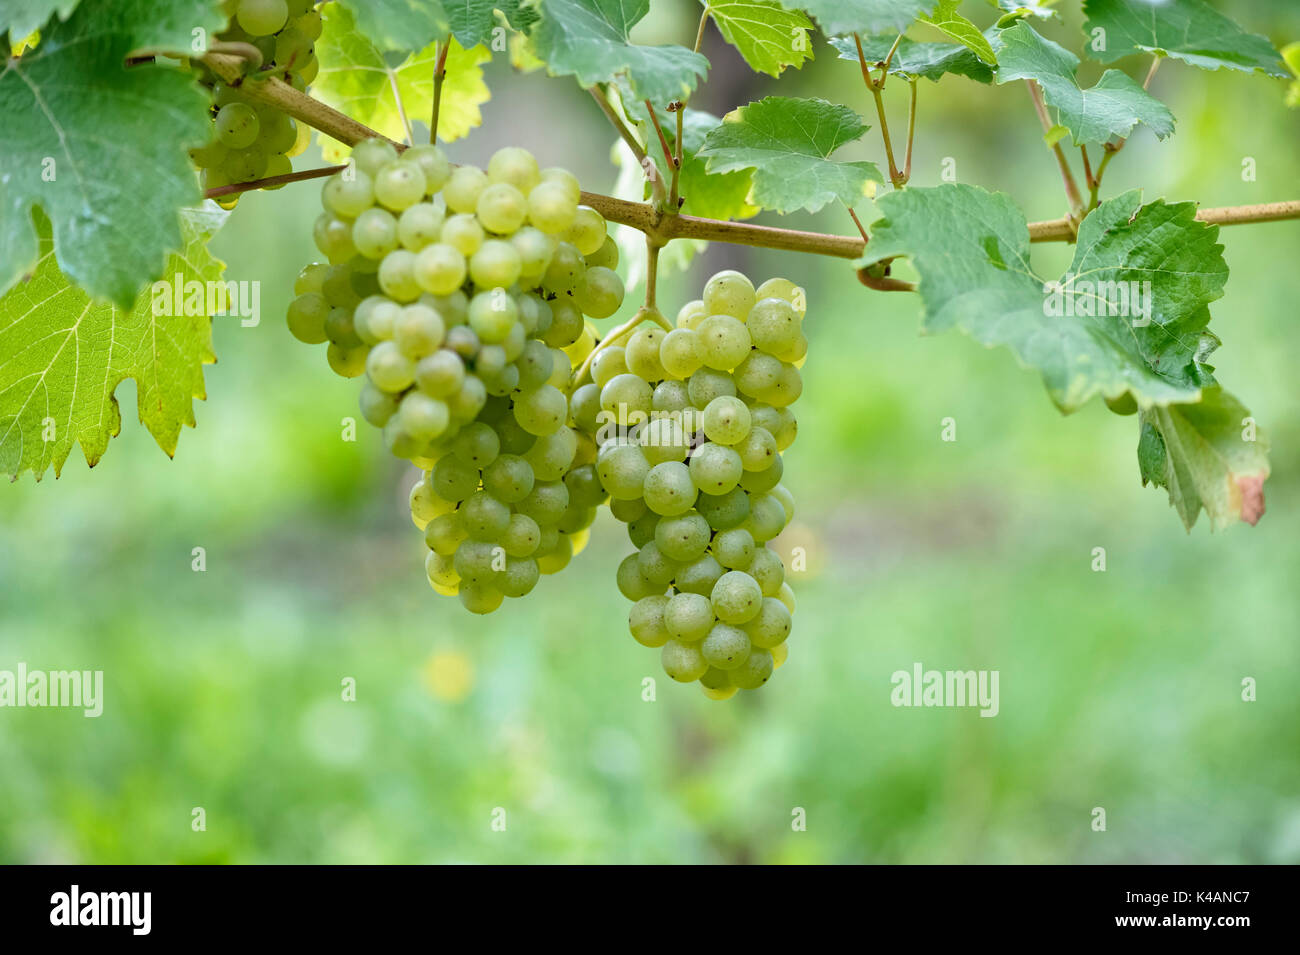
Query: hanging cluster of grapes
[(252, 141), (690, 426), (460, 294)]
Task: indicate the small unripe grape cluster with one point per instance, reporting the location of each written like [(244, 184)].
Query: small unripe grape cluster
[(252, 141), (690, 426), (460, 294)]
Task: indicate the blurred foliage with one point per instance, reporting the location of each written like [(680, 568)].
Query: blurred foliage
[(1118, 689)]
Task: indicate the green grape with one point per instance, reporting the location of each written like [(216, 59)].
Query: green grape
[(462, 188), (642, 530), (292, 47), (375, 233), (397, 276), (755, 671), (623, 471), (535, 364), (670, 397), (439, 269), (584, 406), (680, 353), (418, 331), (669, 489), (715, 469), (642, 354), (508, 478), (734, 548), (551, 208), (700, 576), (534, 249), (422, 417), (306, 318), (445, 533), (787, 389), (683, 662), (262, 17), (475, 561), (601, 294), (520, 577), (726, 647), (377, 406), (433, 163), (566, 271), (389, 369), (277, 165), (338, 287), (691, 314), (515, 438), (309, 22), (376, 318), (556, 559), (485, 518), (464, 232), (726, 420), (689, 617), (399, 185), (757, 450), (514, 166), (771, 625), (766, 517), (492, 315), (706, 385), (683, 537), (467, 402), (501, 208), (724, 342), (334, 237), (245, 165), (608, 363), (440, 374), (441, 570), (372, 155), (400, 443), (729, 293), (784, 289), (541, 411), (646, 621), (237, 126), (632, 584), (656, 566), (546, 503), (576, 519), (782, 494), (585, 489), (348, 193), (339, 328), (420, 225), (624, 397), (310, 279), (757, 374), (496, 264), (209, 155), (481, 599), (462, 340), (604, 257), (773, 326), (768, 570), (717, 684), (279, 133), (760, 482), (476, 445), (522, 536), (786, 596), (587, 233), (566, 324), (565, 179), (662, 439), (724, 511), (795, 353), (347, 361)]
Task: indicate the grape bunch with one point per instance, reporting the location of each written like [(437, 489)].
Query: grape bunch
[(690, 426), (460, 295), (250, 140)]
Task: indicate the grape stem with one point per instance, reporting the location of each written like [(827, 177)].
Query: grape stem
[(647, 166), (643, 216), (615, 336), (271, 181), (896, 176), (439, 74), (1067, 174)]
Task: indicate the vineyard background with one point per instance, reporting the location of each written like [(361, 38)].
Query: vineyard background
[(1119, 689)]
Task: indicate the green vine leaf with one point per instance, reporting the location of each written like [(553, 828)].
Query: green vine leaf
[(22, 18), (1013, 10), (946, 19), (1110, 110), (912, 60), (837, 17), (111, 232), (473, 21), (1292, 56), (768, 36), (788, 143), (1209, 456), (1187, 30), (356, 78), (397, 25), (971, 248), (588, 39), (64, 354)]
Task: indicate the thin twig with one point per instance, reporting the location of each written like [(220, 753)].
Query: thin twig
[(439, 74), (699, 34), (911, 136), (270, 181), (674, 199), (1067, 174), (858, 222), (401, 108), (895, 177), (889, 59), (1151, 73), (663, 140), (651, 270)]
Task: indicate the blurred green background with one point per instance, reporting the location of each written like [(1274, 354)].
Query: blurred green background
[(1119, 690)]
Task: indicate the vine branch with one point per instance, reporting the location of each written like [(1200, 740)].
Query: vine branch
[(1067, 174)]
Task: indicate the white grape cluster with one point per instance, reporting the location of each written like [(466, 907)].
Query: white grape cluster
[(690, 426), (252, 141), (460, 294)]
